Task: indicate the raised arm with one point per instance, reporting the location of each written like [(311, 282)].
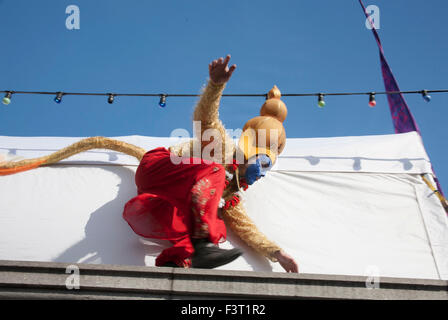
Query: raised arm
[(207, 108)]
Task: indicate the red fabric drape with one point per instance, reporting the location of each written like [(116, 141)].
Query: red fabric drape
[(163, 208)]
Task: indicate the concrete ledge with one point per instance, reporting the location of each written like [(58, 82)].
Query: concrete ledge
[(47, 280)]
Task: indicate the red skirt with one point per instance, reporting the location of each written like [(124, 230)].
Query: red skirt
[(167, 208)]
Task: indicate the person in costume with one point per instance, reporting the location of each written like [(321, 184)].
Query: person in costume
[(189, 199), (186, 196)]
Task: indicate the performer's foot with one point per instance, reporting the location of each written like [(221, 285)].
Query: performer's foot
[(209, 256)]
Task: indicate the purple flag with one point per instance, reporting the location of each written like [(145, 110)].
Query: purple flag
[(401, 115)]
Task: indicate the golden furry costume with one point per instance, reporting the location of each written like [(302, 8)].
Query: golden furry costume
[(272, 114)]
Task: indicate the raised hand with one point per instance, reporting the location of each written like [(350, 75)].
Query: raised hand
[(219, 71)]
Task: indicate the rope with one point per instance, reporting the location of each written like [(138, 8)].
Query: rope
[(437, 192)]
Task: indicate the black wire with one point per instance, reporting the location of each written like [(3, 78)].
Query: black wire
[(224, 95)]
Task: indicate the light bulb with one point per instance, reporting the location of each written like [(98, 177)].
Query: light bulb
[(7, 99), (320, 101), (58, 98), (162, 101), (426, 96), (372, 101)]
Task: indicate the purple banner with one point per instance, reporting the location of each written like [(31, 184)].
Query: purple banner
[(401, 115)]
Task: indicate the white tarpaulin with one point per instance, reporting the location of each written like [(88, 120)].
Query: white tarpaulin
[(344, 205)]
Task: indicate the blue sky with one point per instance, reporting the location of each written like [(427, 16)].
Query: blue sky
[(138, 46)]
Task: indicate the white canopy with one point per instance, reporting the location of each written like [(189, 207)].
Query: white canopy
[(344, 205)]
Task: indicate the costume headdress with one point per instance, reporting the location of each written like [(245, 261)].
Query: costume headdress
[(265, 134)]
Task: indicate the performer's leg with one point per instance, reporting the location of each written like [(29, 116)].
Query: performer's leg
[(198, 249), (205, 196), (208, 226)]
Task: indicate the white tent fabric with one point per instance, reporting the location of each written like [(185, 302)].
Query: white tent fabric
[(344, 205)]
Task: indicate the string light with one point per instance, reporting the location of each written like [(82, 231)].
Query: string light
[(372, 101), (7, 99), (58, 98), (110, 100), (426, 96), (162, 101), (320, 100)]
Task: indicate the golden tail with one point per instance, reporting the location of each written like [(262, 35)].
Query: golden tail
[(80, 146)]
